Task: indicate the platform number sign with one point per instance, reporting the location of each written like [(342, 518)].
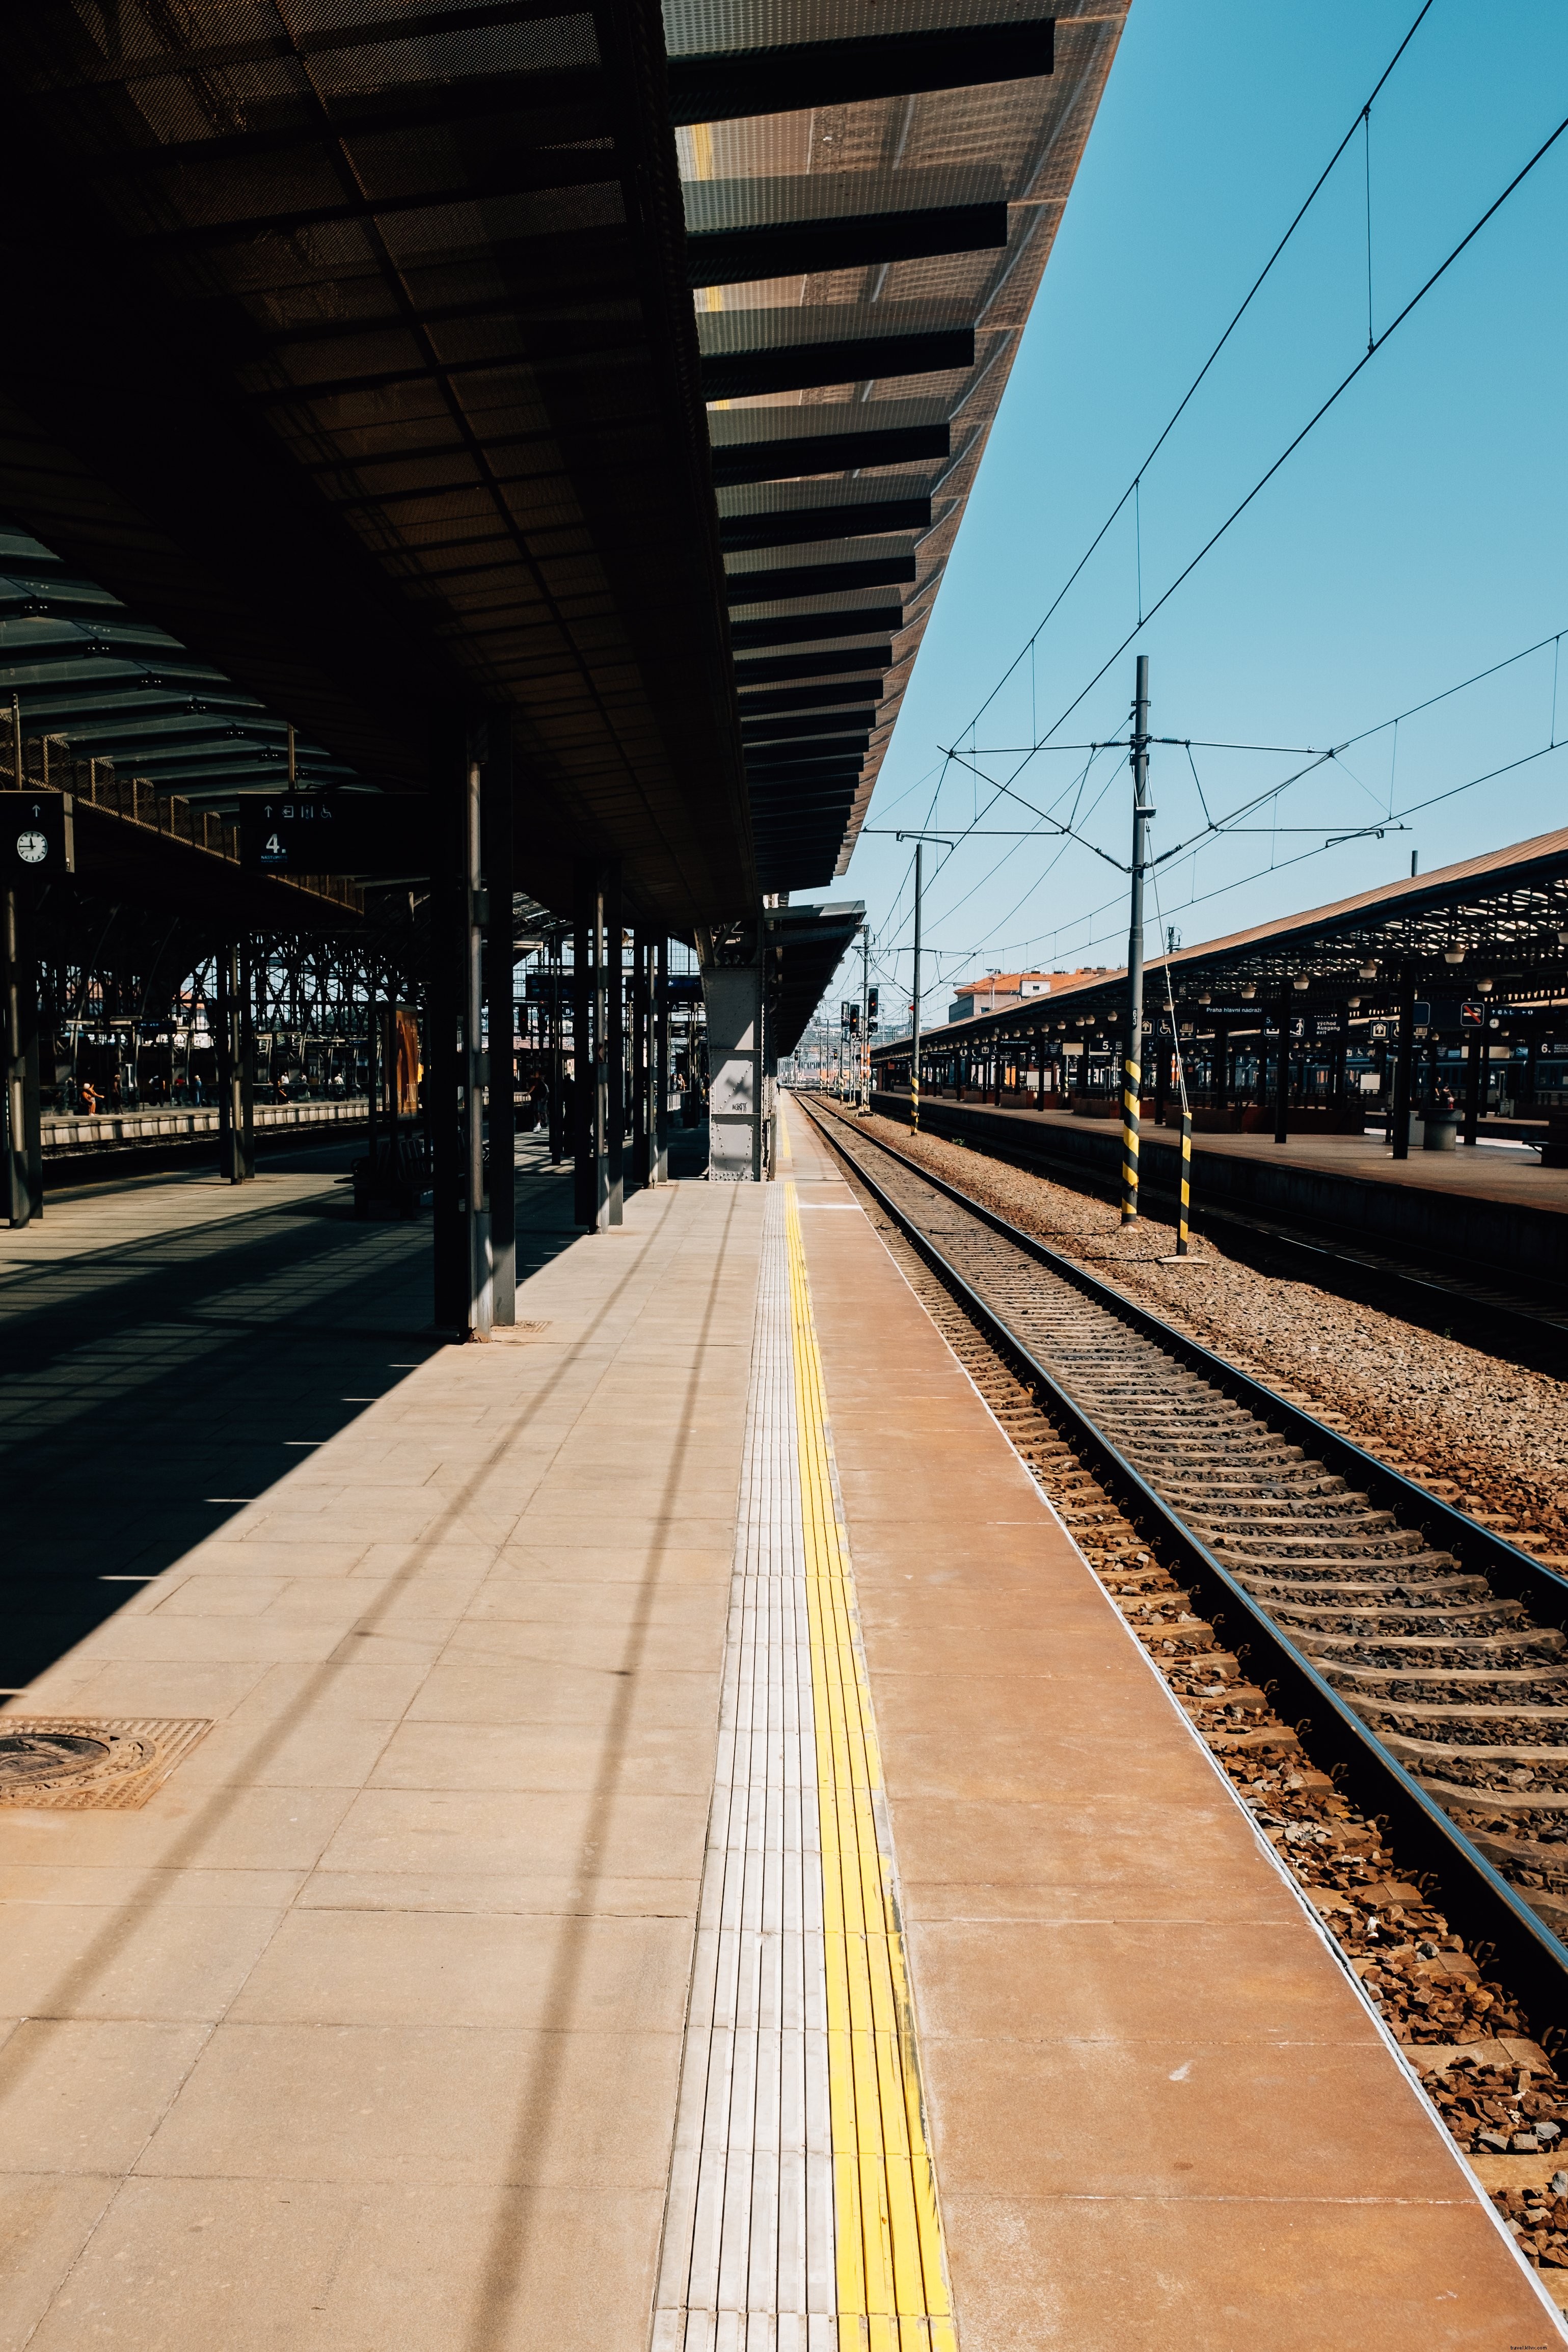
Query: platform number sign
[(332, 832), (291, 833), (40, 836)]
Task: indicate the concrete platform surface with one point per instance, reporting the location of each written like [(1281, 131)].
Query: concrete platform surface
[(670, 1777)]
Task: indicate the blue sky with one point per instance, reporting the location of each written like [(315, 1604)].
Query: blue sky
[(1415, 539)]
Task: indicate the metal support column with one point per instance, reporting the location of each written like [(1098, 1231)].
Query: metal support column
[(1132, 1054), (455, 1067), (481, 1305), (1473, 1066), (1399, 1118), (247, 1058), (614, 1058), (20, 1024), (584, 1084), (497, 788), (641, 1062), (1282, 1073), (557, 1021), (661, 1064), (231, 1061)]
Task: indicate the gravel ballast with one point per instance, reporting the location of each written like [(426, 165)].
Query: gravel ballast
[(1484, 1435)]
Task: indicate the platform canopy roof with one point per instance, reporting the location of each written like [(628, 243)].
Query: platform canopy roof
[(804, 946), (353, 349), (870, 205), (1493, 926)]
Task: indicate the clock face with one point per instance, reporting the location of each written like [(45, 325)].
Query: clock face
[(32, 848)]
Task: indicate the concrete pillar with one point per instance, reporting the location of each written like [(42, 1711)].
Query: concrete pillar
[(738, 1082)]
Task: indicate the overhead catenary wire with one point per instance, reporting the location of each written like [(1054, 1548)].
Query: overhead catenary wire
[(1176, 415), (1376, 345)]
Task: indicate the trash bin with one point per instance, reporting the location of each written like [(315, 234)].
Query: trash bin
[(1442, 1131)]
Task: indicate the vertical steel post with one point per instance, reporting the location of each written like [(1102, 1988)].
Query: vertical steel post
[(557, 1013), (443, 1010), (615, 1062), (480, 1308), (915, 1009), (866, 1017), (18, 1192), (497, 830), (1471, 1126), (1399, 1116), (1133, 1052), (372, 1073), (640, 1060), (584, 931), (231, 1060), (246, 1057), (1282, 1073), (662, 1065)]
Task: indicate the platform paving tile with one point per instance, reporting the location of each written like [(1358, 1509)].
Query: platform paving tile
[(46, 2220), (367, 2025), (429, 2103), (1162, 2113), (253, 2266)]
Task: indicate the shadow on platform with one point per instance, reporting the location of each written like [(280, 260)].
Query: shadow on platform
[(150, 1386)]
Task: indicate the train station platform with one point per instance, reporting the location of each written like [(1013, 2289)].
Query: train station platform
[(1492, 1204), (649, 1832)]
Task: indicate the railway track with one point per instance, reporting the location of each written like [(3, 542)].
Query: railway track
[(1430, 1288), (1422, 1657)]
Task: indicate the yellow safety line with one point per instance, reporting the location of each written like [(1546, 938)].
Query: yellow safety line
[(891, 2263)]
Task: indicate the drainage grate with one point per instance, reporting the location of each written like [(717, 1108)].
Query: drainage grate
[(89, 1763)]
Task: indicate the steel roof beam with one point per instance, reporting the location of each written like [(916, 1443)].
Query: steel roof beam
[(794, 348), (807, 697), (780, 587), (782, 456), (783, 727), (804, 628), (785, 527), (723, 85), (807, 223), (823, 665)]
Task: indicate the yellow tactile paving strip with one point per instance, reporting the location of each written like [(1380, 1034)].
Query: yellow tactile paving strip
[(891, 2266)]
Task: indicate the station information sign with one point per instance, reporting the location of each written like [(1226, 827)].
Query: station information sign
[(335, 833), (40, 832)]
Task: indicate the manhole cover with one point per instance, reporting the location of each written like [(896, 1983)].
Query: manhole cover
[(26, 1757), (89, 1763)]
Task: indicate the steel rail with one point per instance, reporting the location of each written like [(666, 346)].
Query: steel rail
[(1499, 1927)]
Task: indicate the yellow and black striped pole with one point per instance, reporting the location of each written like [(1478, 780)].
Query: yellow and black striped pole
[(1184, 1212), (1131, 1089), (1132, 1049)]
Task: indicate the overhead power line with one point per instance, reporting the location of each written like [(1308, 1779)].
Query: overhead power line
[(1132, 491)]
